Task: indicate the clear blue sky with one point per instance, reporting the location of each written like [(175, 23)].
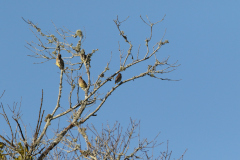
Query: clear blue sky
[(199, 113)]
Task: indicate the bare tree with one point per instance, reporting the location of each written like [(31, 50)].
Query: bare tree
[(111, 142)]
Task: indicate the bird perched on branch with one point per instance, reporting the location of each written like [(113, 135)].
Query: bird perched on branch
[(82, 83), (86, 153), (82, 55), (118, 78), (3, 145), (59, 62), (47, 117)]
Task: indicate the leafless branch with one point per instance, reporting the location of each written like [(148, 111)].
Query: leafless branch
[(112, 143)]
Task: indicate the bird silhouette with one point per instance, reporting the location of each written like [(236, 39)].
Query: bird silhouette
[(118, 78)]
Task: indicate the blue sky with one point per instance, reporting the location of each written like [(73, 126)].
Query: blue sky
[(199, 113)]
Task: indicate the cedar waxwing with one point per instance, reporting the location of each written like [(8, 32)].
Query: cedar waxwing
[(59, 62), (118, 78), (47, 117), (2, 145), (82, 55), (82, 83), (85, 153)]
